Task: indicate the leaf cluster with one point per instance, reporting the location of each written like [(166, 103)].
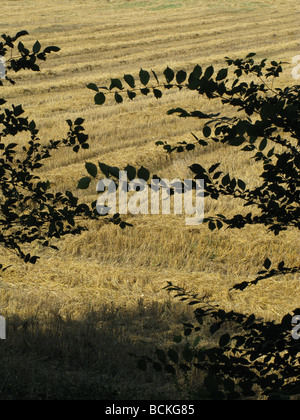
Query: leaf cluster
[(266, 125), (30, 210), (247, 357)]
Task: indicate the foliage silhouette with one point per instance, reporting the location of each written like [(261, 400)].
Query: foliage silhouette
[(246, 358), (29, 210), (258, 358), (267, 126), (258, 352)]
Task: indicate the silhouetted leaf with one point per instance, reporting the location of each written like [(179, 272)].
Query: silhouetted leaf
[(206, 131), (214, 167), (222, 74), (226, 180), (224, 340), (118, 98), (131, 172), (263, 144), (131, 95), (267, 264), (93, 86), (143, 173), (100, 98), (181, 76), (169, 74), (104, 169), (236, 141), (91, 169), (241, 184), (116, 83), (129, 79), (50, 49), (84, 183), (173, 355), (209, 72), (37, 47), (157, 93), (144, 77)]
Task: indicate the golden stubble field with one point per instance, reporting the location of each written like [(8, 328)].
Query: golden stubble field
[(74, 316)]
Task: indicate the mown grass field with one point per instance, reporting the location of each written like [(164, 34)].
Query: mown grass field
[(74, 316)]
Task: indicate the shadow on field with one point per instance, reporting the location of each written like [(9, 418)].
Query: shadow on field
[(56, 358)]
